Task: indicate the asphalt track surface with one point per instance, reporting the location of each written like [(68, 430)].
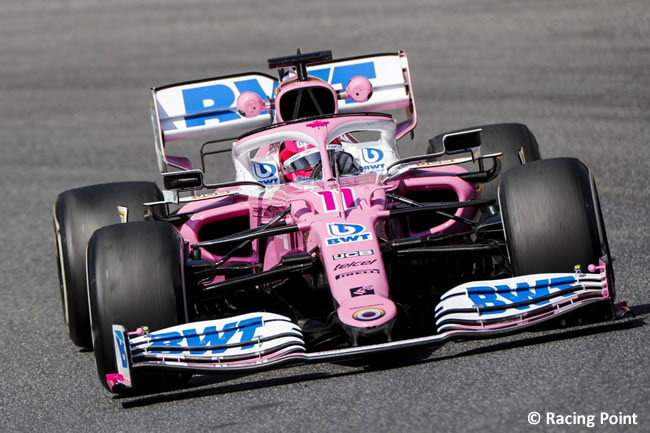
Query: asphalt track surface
[(74, 80)]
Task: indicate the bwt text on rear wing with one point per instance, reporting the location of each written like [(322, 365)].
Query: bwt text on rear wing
[(208, 106)]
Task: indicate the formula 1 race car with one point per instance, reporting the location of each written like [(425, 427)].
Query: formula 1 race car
[(327, 245)]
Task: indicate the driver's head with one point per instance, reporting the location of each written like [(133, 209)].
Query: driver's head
[(298, 159)]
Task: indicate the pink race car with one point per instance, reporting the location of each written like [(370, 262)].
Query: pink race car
[(328, 244)]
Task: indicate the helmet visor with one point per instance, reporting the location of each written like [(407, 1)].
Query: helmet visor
[(302, 161)]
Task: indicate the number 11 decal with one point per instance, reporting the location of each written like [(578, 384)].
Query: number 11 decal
[(330, 205)]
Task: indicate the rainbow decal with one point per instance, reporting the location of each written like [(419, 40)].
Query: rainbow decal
[(369, 314)]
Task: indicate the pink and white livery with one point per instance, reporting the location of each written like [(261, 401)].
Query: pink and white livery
[(327, 244)]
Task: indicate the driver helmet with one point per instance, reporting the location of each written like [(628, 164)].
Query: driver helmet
[(298, 159)]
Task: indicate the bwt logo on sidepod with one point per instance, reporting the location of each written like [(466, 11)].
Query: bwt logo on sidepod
[(373, 158), (265, 172), (346, 233)]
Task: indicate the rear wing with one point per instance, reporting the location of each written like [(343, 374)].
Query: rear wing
[(208, 107)]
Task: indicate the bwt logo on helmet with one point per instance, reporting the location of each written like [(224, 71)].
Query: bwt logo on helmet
[(216, 101), (373, 157), (346, 233), (265, 172)]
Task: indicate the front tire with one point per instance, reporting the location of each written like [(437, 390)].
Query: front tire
[(77, 214), (135, 278), (551, 217)]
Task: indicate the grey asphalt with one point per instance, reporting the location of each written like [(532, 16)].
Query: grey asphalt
[(74, 80)]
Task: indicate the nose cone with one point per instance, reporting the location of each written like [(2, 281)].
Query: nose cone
[(366, 313)]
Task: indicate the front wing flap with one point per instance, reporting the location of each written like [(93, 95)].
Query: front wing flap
[(511, 302), (256, 341)]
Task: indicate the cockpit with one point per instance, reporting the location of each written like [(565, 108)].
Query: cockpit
[(322, 148)]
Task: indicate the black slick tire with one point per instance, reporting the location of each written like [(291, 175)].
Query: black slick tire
[(551, 217), (135, 278), (77, 214)]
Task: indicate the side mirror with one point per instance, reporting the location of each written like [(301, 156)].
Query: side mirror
[(189, 179), (249, 104), (463, 141), (359, 89)]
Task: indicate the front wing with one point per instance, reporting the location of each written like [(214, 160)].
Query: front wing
[(256, 341)]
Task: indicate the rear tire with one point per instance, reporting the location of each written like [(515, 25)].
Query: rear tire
[(135, 278), (551, 217), (77, 214), (514, 140)]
